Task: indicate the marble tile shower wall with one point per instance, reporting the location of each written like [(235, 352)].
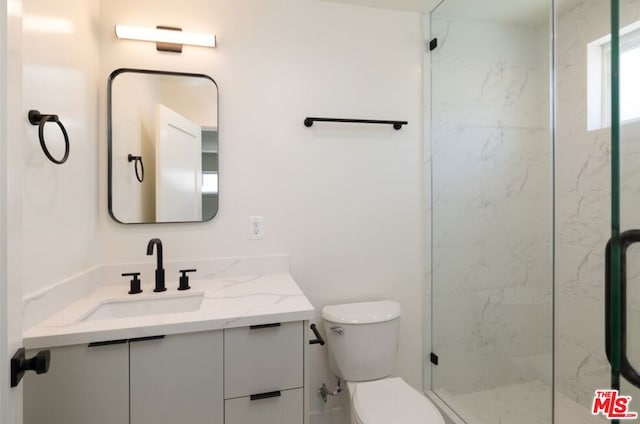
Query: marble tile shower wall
[(583, 203), (492, 210)]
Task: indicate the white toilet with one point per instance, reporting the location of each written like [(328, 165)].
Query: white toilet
[(363, 341)]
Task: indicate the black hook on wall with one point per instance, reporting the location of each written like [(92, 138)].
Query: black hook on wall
[(36, 118), (140, 170)]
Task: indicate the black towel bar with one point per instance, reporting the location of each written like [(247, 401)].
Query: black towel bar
[(396, 124)]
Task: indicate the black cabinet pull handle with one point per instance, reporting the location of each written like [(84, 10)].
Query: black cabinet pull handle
[(122, 341), (266, 395), (107, 343), (20, 364), (258, 327), (145, 339), (318, 340)]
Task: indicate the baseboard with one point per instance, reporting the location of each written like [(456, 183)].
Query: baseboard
[(332, 416)]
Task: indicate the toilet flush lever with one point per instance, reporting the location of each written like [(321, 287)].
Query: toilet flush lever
[(338, 330)]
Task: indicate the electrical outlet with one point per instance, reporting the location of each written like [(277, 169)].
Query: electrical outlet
[(256, 230)]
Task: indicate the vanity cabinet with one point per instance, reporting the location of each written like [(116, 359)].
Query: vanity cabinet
[(176, 379), (242, 375), (85, 384), (286, 408)]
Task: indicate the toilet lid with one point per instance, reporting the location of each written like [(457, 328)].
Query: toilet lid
[(393, 401)]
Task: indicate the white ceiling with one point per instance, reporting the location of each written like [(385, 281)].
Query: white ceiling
[(409, 5), (514, 11)]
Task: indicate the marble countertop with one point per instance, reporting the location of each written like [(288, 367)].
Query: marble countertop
[(226, 303)]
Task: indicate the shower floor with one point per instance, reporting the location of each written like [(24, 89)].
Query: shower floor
[(524, 403)]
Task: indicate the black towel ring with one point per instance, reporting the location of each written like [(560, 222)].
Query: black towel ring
[(36, 118), (139, 171)]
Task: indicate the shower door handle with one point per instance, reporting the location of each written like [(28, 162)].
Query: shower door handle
[(626, 239)]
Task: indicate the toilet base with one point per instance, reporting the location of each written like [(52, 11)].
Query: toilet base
[(389, 400)]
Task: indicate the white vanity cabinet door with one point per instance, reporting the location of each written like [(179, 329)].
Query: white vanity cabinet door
[(263, 359), (84, 385), (284, 409), (177, 379)]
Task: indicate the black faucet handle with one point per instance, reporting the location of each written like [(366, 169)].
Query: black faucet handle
[(135, 282), (184, 279)]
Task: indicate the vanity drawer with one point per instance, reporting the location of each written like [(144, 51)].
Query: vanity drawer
[(262, 359), (285, 408)]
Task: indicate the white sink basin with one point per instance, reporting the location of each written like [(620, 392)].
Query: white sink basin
[(158, 305)]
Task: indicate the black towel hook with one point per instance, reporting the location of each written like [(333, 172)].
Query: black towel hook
[(139, 171), (36, 118)]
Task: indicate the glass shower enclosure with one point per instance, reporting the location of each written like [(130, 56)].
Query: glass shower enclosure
[(535, 209), (622, 50), (492, 209)]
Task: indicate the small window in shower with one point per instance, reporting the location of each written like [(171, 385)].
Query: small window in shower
[(599, 78)]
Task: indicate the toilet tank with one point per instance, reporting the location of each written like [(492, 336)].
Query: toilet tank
[(362, 339)]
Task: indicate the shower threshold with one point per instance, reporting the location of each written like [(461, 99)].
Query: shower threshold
[(522, 403)]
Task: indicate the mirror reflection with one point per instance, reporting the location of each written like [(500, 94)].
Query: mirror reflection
[(163, 147)]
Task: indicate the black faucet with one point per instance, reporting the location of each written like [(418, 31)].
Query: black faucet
[(159, 269)]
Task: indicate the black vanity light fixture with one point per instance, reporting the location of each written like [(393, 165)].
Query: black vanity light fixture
[(167, 39)]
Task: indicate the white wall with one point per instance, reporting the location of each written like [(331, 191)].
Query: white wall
[(4, 136), (344, 201), (52, 210), (59, 203), (51, 214), (11, 118)]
